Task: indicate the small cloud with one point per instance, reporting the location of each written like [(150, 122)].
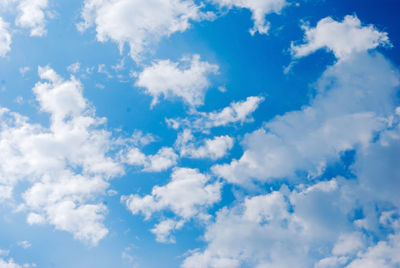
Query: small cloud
[(74, 67), (24, 244), (24, 70)]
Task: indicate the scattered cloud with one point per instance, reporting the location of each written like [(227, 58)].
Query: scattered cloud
[(307, 139), (236, 112), (187, 195), (214, 148), (162, 160), (186, 79), (33, 14), (25, 244), (140, 24), (5, 38), (259, 9), (74, 67), (67, 164), (342, 38)]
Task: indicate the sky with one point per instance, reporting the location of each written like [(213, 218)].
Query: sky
[(188, 133)]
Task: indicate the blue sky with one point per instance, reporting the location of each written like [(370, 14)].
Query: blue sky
[(185, 133)]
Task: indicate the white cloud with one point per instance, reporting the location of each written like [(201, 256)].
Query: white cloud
[(257, 229), (24, 70), (9, 264), (349, 243), (139, 23), (5, 38), (209, 148), (307, 139), (236, 112), (4, 252), (74, 67), (33, 14), (259, 9), (377, 166), (294, 229), (342, 38), (67, 165), (25, 244), (162, 160), (384, 254), (163, 230), (187, 79), (187, 195)]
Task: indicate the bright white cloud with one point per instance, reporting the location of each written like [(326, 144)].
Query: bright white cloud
[(187, 195), (258, 232), (9, 264), (5, 38), (186, 79), (342, 38), (162, 160), (163, 230), (309, 138), (293, 229), (236, 112), (383, 254), (66, 164), (348, 243), (139, 23), (259, 9), (209, 148), (33, 14)]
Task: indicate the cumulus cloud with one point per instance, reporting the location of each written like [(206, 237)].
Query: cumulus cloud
[(294, 229), (260, 231), (187, 195), (33, 14), (209, 148), (139, 23), (342, 38), (5, 38), (162, 160), (236, 112), (383, 254), (259, 9), (187, 79), (163, 230), (9, 264), (377, 166), (67, 165), (363, 87)]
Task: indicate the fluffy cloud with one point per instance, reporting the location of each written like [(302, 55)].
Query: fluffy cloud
[(67, 164), (5, 38), (342, 38), (362, 86), (384, 254), (259, 9), (308, 226), (32, 15), (162, 160), (377, 166), (163, 230), (139, 23), (187, 79), (262, 232), (210, 148), (187, 195), (9, 264), (236, 112)]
